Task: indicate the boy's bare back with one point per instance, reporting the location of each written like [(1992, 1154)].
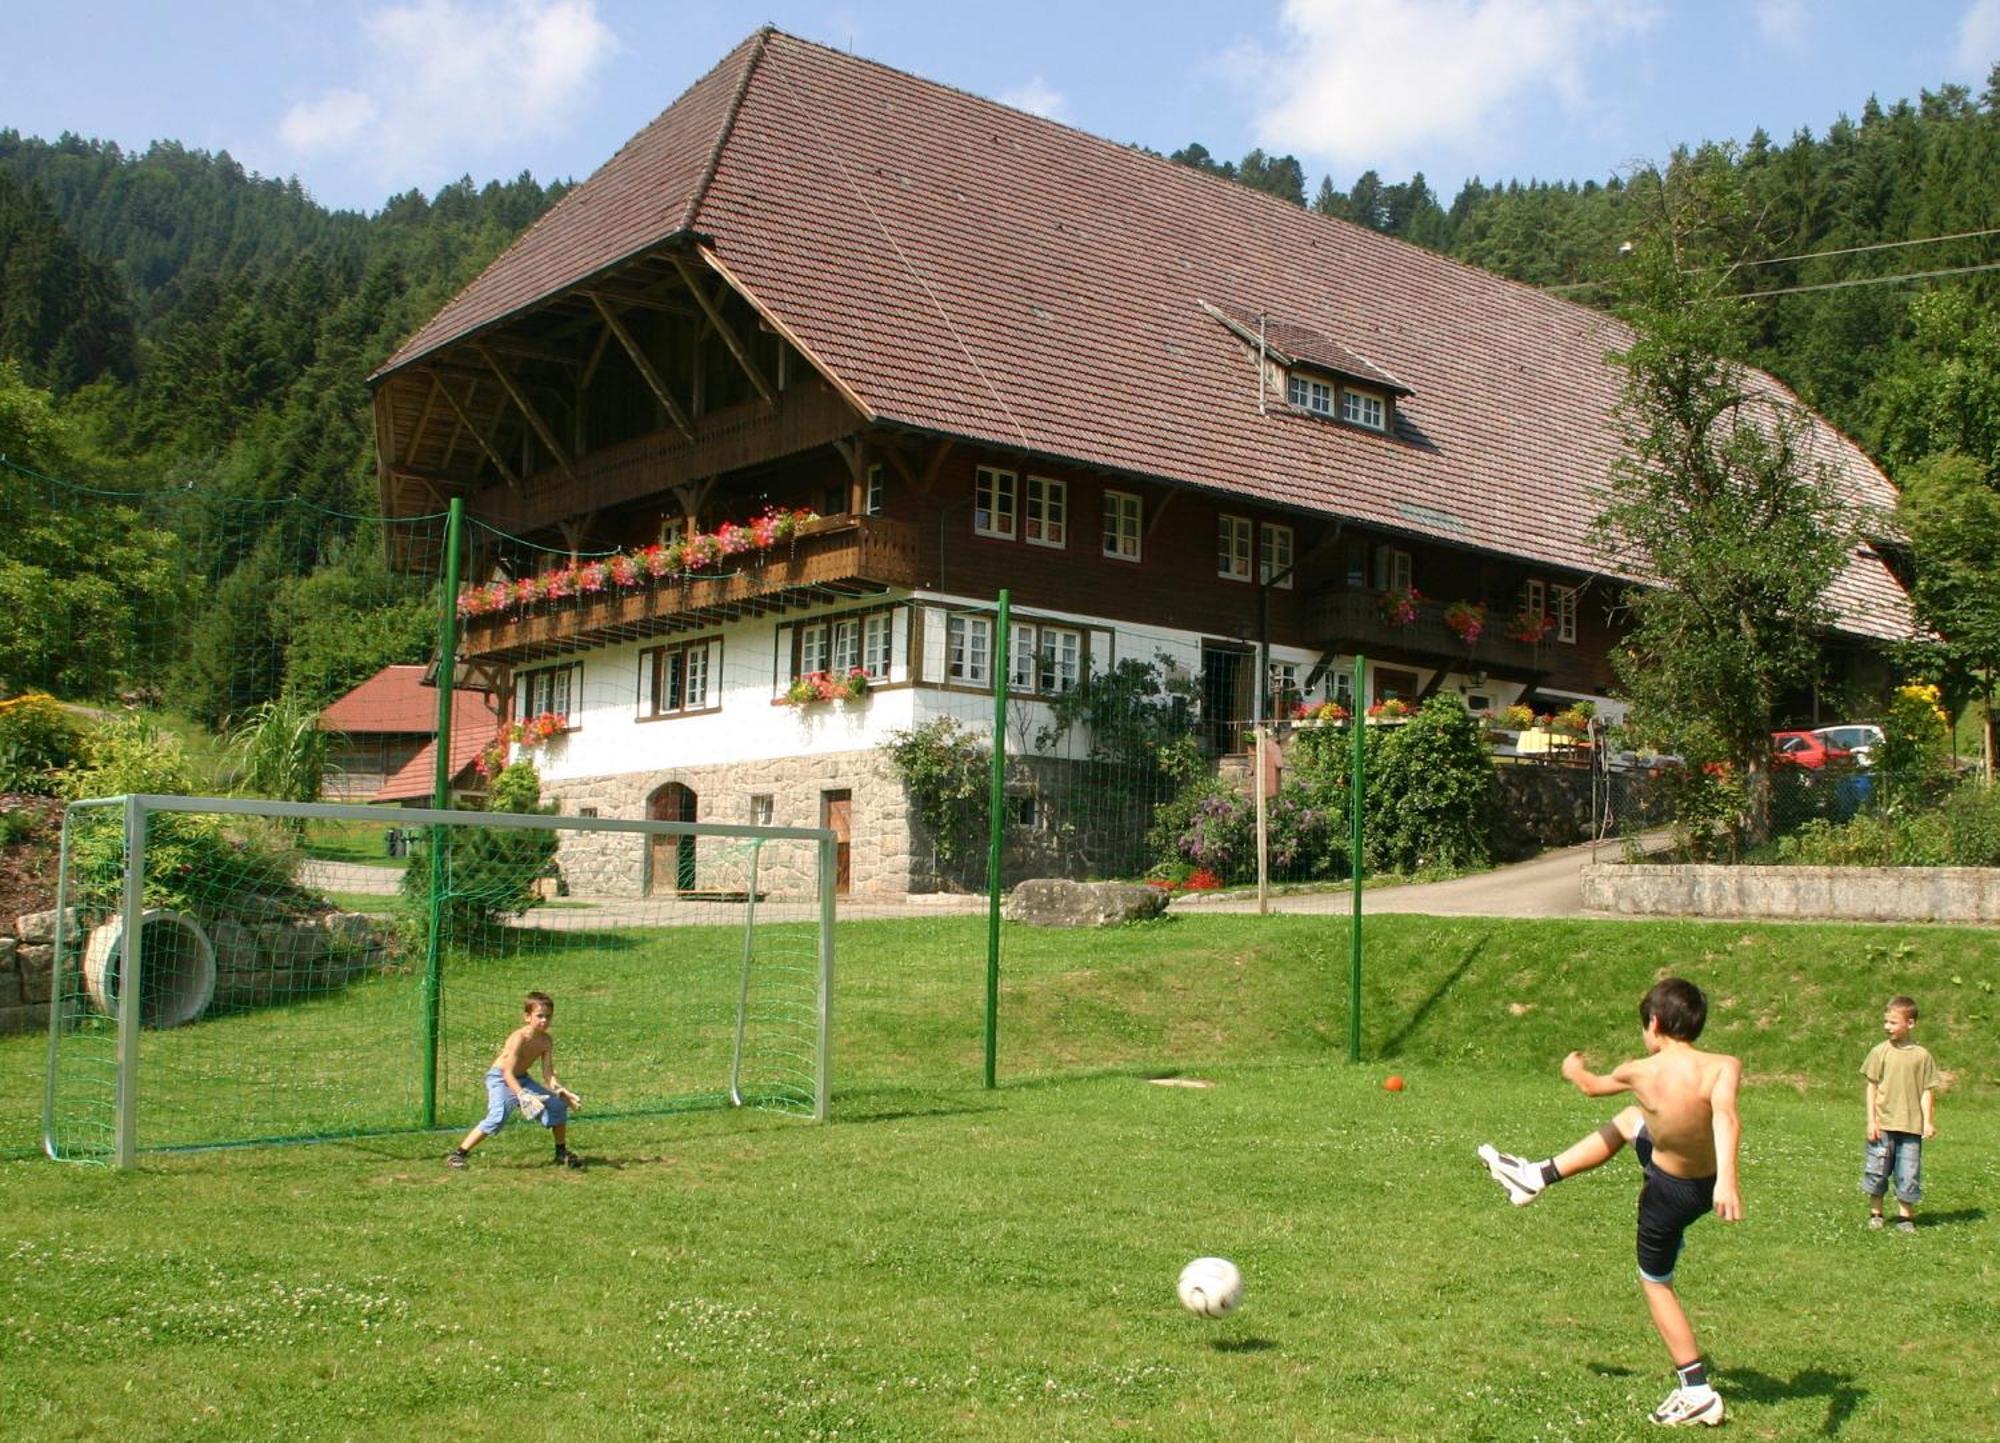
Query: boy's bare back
[(1679, 1089)]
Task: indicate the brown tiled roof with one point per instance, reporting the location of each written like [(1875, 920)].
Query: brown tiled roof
[(396, 700), (475, 722), (1287, 341), (973, 270)]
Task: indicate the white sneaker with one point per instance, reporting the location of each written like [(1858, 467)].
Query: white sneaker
[(1521, 1178), (1688, 1407)]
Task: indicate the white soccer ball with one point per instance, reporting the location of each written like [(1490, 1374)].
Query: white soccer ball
[(1211, 1287)]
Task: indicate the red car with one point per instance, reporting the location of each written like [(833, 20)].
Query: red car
[(1805, 749)]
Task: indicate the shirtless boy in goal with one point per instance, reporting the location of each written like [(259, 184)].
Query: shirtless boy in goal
[(510, 1089), (1684, 1131)]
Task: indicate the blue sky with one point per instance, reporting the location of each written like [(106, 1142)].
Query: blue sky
[(362, 100)]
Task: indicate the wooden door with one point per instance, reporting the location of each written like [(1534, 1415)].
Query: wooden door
[(670, 865), (836, 814)]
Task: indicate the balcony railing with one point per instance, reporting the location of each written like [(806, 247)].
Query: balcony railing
[(827, 560), (1354, 621)]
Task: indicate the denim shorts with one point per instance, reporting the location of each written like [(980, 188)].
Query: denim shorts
[(501, 1103), (1898, 1154)]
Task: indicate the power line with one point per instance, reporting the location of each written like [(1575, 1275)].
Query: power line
[(1866, 281), (1821, 255), (1857, 250)]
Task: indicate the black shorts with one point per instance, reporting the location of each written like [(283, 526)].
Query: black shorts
[(1667, 1204)]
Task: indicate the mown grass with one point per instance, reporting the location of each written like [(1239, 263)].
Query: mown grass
[(946, 1262)]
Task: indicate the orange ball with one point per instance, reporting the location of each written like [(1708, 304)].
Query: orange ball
[(1393, 1082)]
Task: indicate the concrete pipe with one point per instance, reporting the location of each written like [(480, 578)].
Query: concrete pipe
[(177, 978)]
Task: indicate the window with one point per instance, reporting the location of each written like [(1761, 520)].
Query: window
[(586, 811), (969, 649), (1044, 659), (1309, 395), (1283, 688), (1121, 525), (1232, 547), (550, 691), (1274, 556), (1343, 688), (1392, 682), (872, 503), (1046, 518), (1534, 599), (1393, 569), (993, 503), (813, 648), (839, 644), (878, 639), (680, 678), (1363, 409), (762, 809), (1354, 563), (1478, 701), (844, 648), (1565, 599)]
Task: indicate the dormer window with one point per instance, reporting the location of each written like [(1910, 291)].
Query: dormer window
[(1309, 395), (1363, 408)]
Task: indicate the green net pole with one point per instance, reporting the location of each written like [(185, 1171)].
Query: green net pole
[(441, 801), (1356, 797), (996, 825)]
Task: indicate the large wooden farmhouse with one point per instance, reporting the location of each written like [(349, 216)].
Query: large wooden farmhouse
[(1178, 419)]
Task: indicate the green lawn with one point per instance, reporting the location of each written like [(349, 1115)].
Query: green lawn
[(946, 1262)]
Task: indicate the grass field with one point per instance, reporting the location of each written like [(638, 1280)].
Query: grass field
[(946, 1262)]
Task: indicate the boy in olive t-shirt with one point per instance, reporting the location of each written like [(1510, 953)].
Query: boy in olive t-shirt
[(1902, 1082)]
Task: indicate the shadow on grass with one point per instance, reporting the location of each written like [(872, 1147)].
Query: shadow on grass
[(1952, 1218), (1394, 1046), (903, 1114), (1839, 1389), (1243, 1345)]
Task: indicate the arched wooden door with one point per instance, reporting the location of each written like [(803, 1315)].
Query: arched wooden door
[(670, 865)]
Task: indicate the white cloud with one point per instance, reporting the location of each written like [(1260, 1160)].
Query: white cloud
[(1372, 81), (1037, 97), (333, 122), (443, 81), (1782, 22), (1979, 39)]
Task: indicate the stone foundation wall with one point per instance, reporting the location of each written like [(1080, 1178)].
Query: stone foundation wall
[(621, 865)]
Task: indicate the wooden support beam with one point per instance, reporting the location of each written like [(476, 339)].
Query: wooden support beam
[(1153, 521), (854, 451), (596, 358), (461, 410), (527, 409), (693, 495), (726, 331), (638, 357), (933, 464), (424, 417)]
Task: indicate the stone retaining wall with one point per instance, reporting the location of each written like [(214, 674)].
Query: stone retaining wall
[(1847, 894), (259, 956)]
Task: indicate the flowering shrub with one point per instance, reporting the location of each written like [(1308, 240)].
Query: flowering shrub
[(816, 686), (1202, 880), (1466, 620), (1529, 626), (1389, 709), (1399, 607), (628, 570), (1519, 717)]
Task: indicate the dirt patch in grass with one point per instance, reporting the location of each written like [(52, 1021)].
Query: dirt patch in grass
[(28, 865)]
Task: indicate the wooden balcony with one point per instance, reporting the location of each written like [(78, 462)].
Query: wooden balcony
[(833, 559), (1348, 621)]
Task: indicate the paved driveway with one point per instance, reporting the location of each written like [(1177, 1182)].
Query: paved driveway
[(1550, 885)]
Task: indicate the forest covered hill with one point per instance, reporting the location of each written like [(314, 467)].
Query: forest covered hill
[(173, 325)]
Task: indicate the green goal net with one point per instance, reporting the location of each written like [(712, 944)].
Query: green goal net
[(308, 971)]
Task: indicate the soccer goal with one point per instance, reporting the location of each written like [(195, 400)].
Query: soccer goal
[(233, 971)]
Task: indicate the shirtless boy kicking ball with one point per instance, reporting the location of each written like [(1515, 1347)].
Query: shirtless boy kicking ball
[(1685, 1132), (509, 1088)]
